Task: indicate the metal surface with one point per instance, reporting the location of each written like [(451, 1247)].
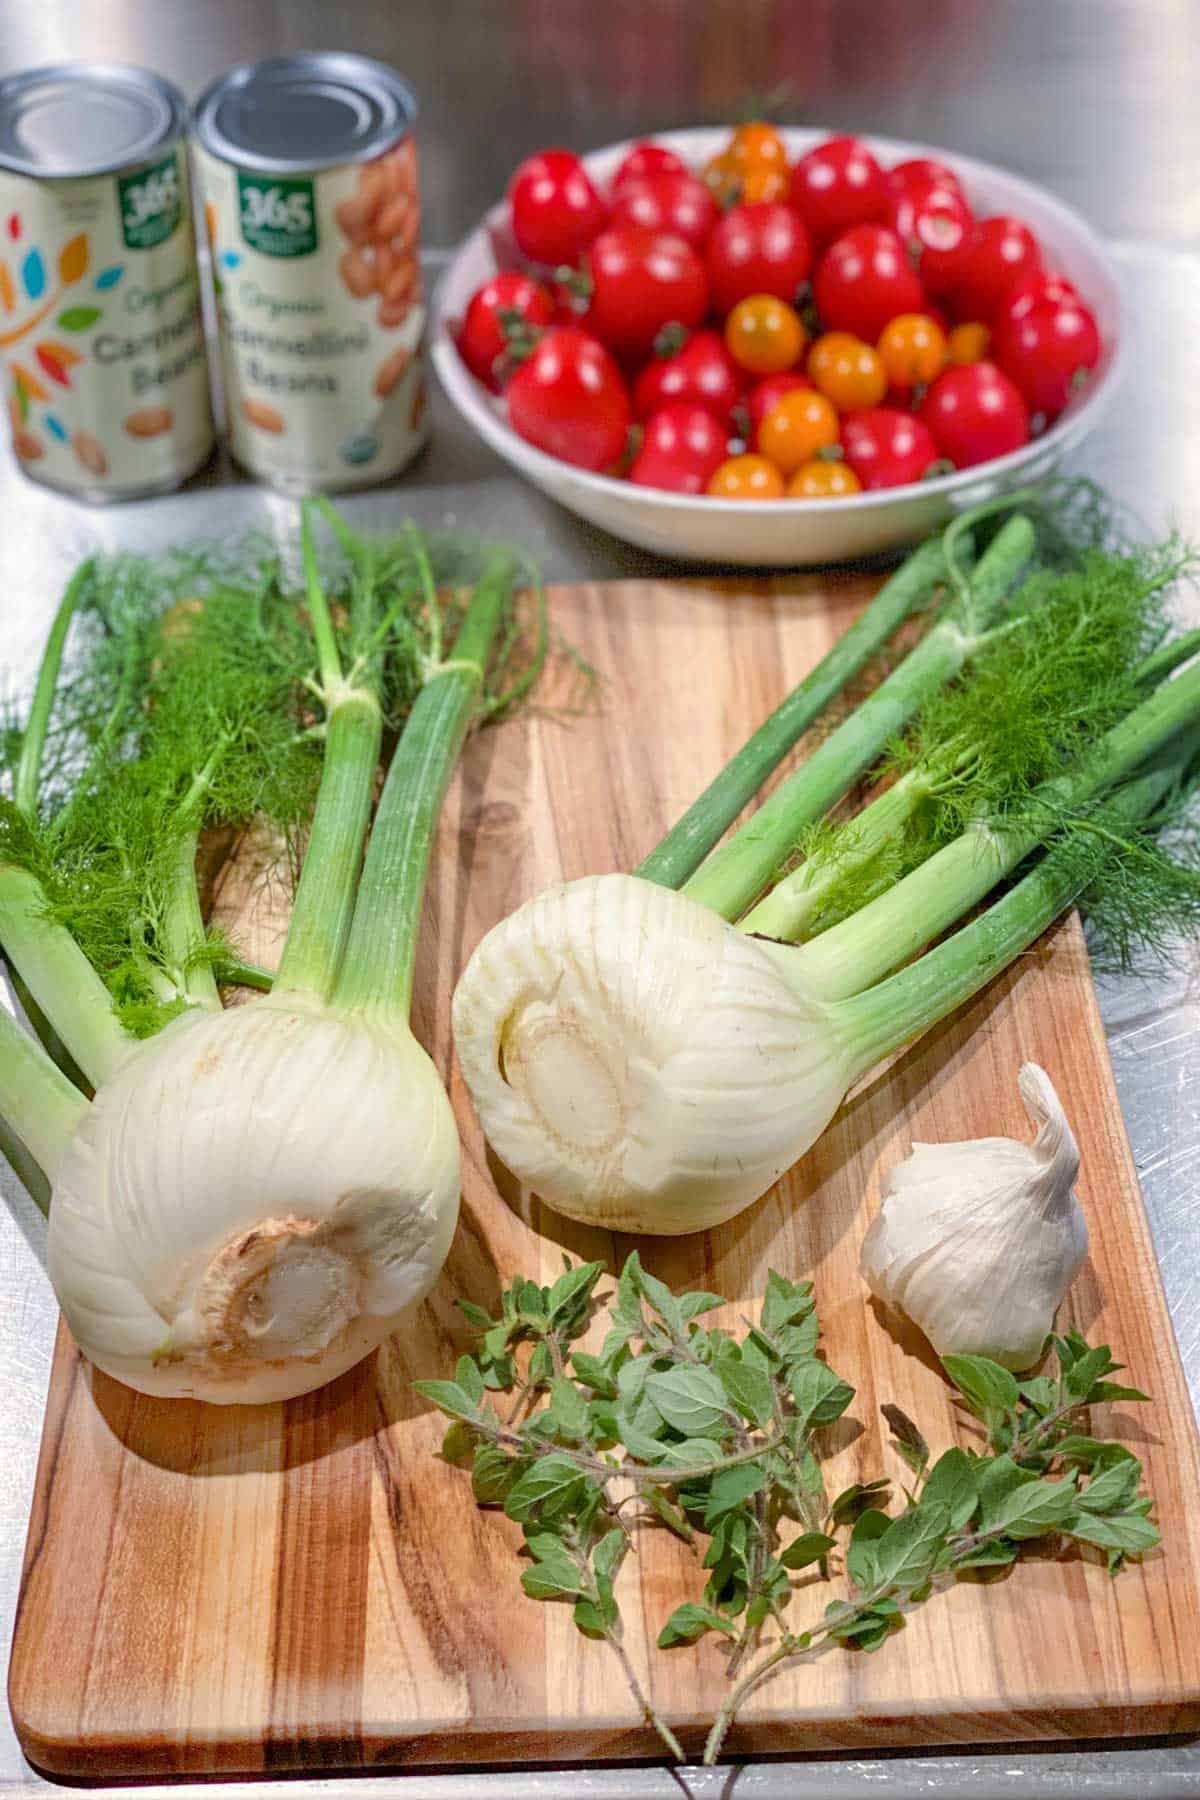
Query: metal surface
[(86, 119), (1095, 97), (305, 112)]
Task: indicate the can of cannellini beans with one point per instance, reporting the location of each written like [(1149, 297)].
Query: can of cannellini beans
[(101, 338), (308, 170)]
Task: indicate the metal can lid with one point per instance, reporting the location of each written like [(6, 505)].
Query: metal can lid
[(305, 112), (82, 118)]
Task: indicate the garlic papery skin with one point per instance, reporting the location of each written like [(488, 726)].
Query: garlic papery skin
[(978, 1242), (253, 1201), (639, 1063)]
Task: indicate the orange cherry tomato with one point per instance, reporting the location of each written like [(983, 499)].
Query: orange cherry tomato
[(746, 478), (757, 145), (763, 183), (912, 347), (764, 335), (968, 343), (825, 478), (847, 371), (799, 425)]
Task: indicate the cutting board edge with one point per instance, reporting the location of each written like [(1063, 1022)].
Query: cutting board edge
[(118, 1757)]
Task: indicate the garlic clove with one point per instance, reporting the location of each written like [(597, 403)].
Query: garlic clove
[(978, 1241)]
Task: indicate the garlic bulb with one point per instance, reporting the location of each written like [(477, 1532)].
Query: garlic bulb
[(638, 1062), (211, 1236), (978, 1242)]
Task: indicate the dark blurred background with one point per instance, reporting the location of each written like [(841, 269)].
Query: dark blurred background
[(1099, 99)]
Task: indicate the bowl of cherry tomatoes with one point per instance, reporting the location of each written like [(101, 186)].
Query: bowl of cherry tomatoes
[(773, 347)]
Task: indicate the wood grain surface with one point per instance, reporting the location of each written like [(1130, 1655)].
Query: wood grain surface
[(308, 1587)]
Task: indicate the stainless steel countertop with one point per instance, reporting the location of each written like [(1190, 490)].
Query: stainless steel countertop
[(1095, 97)]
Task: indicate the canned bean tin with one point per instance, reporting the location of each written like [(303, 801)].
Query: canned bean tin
[(309, 174), (101, 338)]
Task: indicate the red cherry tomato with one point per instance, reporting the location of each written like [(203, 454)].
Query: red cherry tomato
[(757, 248), (482, 340), (647, 159), (920, 172), (570, 399), (1005, 252), (886, 448), (641, 281), (975, 412), (678, 203), (1049, 350), (1033, 289), (938, 230), (703, 372), (837, 185), (682, 448), (766, 394), (865, 279), (556, 212)]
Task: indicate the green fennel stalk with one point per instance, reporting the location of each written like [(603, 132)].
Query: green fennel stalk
[(736, 873), (690, 840)]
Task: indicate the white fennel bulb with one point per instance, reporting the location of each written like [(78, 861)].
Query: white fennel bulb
[(253, 1200), (978, 1242), (639, 1063)]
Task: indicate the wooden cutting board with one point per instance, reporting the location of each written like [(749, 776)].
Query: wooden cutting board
[(307, 1587)]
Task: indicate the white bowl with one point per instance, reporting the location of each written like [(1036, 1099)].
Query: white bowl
[(784, 533)]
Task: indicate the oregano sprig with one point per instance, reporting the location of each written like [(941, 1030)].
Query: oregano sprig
[(715, 1436)]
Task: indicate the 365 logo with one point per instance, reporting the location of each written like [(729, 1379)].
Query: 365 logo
[(278, 214), (151, 204)]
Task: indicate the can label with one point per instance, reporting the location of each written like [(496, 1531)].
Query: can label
[(320, 317), (101, 337)]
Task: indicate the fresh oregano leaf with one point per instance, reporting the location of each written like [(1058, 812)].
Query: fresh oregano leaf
[(689, 1622), (547, 1488), (1035, 1508), (493, 1474), (858, 1498), (1113, 1488), (450, 1398), (983, 1384), (905, 1553), (593, 1374), (749, 1387), (672, 1516), (569, 1409), (568, 1296), (468, 1377), (820, 1395), (906, 1437), (732, 1488), (861, 1564), (691, 1400), (953, 1483), (806, 1549), (1125, 1531)]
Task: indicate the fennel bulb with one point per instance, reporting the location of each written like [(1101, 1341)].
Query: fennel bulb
[(646, 1066), (640, 1063), (253, 1200), (978, 1242), (254, 1196)]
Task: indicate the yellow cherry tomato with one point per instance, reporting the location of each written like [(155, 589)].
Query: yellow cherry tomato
[(762, 182), (722, 175), (912, 347), (764, 335), (847, 371), (823, 479), (797, 426), (968, 343), (758, 146), (746, 478)]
